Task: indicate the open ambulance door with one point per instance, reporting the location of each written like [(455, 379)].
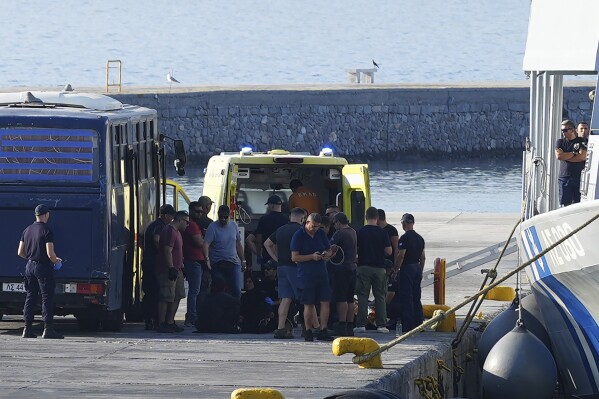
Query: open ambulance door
[(356, 193)]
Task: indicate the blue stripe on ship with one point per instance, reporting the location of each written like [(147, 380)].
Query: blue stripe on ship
[(540, 265), (579, 312), (574, 306)]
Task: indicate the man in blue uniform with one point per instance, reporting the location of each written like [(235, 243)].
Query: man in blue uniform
[(278, 246), (571, 151), (37, 246), (309, 249), (410, 263)]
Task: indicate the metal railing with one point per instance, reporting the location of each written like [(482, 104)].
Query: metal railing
[(471, 261), (110, 65)]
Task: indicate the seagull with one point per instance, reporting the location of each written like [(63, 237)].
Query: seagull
[(375, 64), (171, 79)]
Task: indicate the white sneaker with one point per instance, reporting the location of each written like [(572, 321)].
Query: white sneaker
[(359, 329), (383, 330)]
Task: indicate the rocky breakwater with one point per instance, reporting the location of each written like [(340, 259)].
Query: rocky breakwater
[(371, 122)]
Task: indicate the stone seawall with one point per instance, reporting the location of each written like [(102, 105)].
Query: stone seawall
[(366, 123)]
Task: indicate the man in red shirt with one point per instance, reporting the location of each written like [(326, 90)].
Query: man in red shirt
[(193, 260), (169, 267)]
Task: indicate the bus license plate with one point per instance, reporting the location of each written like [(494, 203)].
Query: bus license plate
[(13, 287)]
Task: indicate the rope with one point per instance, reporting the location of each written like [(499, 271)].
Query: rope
[(342, 257), (442, 315), (491, 275)]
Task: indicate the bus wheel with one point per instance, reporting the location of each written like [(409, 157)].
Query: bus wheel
[(86, 323), (114, 321)]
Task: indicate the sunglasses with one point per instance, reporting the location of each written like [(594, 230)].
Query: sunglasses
[(223, 217), (566, 130)]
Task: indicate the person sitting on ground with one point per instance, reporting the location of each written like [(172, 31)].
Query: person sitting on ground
[(257, 313), (303, 197), (220, 311)]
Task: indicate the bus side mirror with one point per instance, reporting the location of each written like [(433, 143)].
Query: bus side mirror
[(180, 157)]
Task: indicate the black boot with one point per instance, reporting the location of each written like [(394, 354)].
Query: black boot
[(28, 331), (50, 332)]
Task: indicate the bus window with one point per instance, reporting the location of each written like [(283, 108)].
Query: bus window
[(150, 160), (37, 154), (116, 166), (122, 153), (141, 154)]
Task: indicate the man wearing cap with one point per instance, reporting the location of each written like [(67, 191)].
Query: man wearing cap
[(571, 151), (224, 252), (268, 224), (37, 246), (149, 282), (303, 197), (410, 263), (206, 204)]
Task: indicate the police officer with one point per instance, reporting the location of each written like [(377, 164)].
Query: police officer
[(37, 246)]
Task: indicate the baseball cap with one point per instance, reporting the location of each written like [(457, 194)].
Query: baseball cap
[(407, 218), (167, 209), (274, 199), (205, 200), (341, 218), (41, 209)]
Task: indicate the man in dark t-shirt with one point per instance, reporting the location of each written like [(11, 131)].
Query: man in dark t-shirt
[(393, 237), (571, 151), (278, 246), (149, 283), (344, 272), (410, 263), (37, 246), (268, 224), (373, 246)]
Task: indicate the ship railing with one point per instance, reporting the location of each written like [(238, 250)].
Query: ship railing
[(471, 261)]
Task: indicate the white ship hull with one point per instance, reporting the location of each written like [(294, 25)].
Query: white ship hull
[(565, 283)]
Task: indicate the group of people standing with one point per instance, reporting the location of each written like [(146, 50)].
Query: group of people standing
[(319, 263), (305, 261), (187, 245)]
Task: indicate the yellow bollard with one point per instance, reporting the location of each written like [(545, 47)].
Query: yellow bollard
[(446, 325), (501, 293), (256, 393), (358, 346)]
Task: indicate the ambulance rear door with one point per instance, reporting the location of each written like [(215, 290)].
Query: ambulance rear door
[(356, 193)]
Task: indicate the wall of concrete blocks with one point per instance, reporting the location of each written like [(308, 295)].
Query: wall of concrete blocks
[(359, 123)]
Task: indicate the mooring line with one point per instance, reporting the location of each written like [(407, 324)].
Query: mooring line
[(443, 314)]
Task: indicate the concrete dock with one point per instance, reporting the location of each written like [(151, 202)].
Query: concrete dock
[(137, 363)]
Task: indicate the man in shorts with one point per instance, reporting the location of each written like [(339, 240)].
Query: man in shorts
[(310, 249), (344, 273), (169, 273), (278, 246)]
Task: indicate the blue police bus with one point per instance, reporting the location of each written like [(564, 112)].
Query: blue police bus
[(98, 165)]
